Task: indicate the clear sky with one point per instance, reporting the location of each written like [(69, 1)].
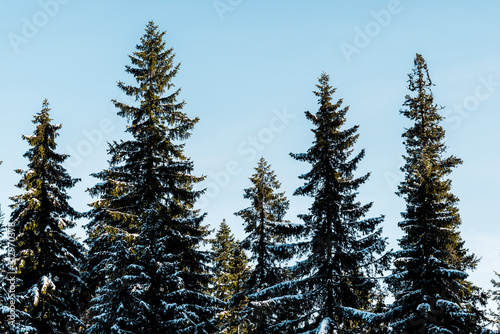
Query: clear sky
[(248, 71)]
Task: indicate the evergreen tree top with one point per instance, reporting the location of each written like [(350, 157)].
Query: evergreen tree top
[(325, 91), (327, 109), (43, 139), (268, 207), (263, 196), (224, 239), (158, 127), (424, 140), (422, 109), (332, 145), (153, 69), (46, 177)]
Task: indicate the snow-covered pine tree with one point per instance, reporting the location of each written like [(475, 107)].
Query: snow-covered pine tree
[(144, 236), (267, 233), (429, 282), (230, 270), (334, 286), (46, 258)]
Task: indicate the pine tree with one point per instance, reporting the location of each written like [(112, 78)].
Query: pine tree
[(231, 270), (429, 282), (267, 231), (334, 287), (144, 236), (46, 258)]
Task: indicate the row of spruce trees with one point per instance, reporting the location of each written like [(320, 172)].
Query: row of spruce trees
[(144, 268)]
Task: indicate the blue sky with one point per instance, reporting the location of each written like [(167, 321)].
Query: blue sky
[(248, 71)]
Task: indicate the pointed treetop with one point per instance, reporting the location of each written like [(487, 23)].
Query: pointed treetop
[(419, 80), (324, 89), (420, 71), (45, 131), (45, 109), (224, 233)]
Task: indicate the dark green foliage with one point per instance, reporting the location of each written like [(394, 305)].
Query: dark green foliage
[(231, 270), (144, 260), (429, 282), (46, 257), (334, 288), (267, 231)]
